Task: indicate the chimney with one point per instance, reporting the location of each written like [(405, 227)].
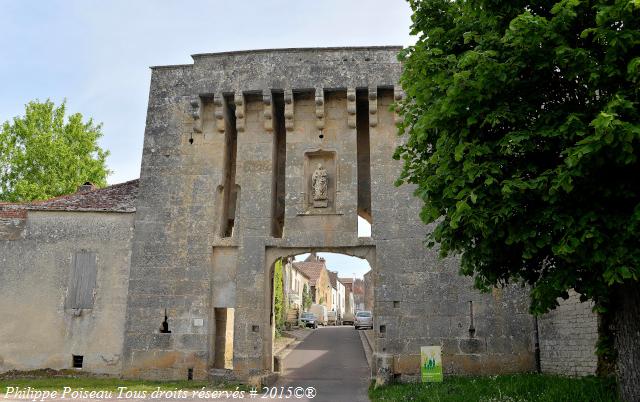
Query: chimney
[(87, 186)]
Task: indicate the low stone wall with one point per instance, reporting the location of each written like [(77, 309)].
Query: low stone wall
[(42, 326), (568, 337)]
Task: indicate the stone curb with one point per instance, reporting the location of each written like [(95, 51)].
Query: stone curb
[(368, 350)]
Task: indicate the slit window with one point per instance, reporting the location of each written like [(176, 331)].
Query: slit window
[(230, 189)]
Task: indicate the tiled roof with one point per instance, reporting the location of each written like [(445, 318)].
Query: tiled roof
[(116, 198), (299, 271), (312, 269), (346, 281)]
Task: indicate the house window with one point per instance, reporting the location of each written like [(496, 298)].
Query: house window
[(82, 282)]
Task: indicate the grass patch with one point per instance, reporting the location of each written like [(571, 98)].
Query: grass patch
[(504, 388)]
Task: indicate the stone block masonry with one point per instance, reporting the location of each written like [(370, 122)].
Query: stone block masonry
[(250, 156), (568, 337)]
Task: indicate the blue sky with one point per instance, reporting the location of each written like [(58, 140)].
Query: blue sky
[(345, 265), (96, 53)]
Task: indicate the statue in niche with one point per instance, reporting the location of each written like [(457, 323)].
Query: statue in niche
[(319, 186)]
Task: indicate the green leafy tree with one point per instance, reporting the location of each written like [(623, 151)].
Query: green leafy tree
[(306, 298), (523, 123), (43, 156)]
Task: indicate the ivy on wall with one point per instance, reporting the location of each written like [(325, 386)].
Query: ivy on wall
[(278, 299)]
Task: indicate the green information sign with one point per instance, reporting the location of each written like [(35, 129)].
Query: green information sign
[(431, 363)]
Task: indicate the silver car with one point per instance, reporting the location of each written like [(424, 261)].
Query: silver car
[(364, 319)]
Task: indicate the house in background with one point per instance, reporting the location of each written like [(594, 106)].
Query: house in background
[(349, 306), (338, 293), (368, 290), (358, 294), (315, 268), (294, 284)]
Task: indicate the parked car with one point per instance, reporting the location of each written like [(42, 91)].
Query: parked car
[(364, 319), (332, 318), (348, 318), (308, 320), (321, 313)]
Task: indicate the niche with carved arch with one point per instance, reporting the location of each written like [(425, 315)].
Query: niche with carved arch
[(320, 181)]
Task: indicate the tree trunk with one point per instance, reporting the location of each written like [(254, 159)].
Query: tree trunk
[(606, 349), (627, 340)]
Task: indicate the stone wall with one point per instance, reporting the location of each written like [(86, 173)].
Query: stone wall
[(231, 145), (420, 299), (12, 223), (568, 337), (39, 329), (210, 225), (368, 291)]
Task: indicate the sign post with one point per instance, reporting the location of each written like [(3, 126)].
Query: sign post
[(431, 363)]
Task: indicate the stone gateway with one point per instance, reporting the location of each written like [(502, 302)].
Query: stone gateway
[(248, 157)]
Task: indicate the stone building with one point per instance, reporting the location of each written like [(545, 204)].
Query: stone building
[(64, 272), (368, 291), (358, 293), (248, 157), (349, 304), (337, 293), (258, 155), (315, 269), (294, 285)]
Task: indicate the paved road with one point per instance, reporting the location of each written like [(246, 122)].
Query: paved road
[(332, 361)]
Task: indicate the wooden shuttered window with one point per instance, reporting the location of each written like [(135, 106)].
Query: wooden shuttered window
[(83, 281)]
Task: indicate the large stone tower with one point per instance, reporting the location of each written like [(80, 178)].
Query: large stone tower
[(251, 156)]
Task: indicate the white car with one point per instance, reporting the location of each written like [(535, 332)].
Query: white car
[(364, 319), (348, 319)]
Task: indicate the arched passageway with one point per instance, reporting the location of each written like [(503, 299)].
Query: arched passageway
[(329, 285)]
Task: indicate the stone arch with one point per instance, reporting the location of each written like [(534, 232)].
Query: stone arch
[(259, 129), (272, 254)]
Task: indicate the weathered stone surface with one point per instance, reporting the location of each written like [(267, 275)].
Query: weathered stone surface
[(418, 298), (568, 337), (35, 278), (203, 237)]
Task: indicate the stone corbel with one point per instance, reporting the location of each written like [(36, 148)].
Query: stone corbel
[(319, 108), (288, 109), (195, 114), (398, 95), (238, 99), (351, 107), (218, 103), (268, 109), (373, 106)]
